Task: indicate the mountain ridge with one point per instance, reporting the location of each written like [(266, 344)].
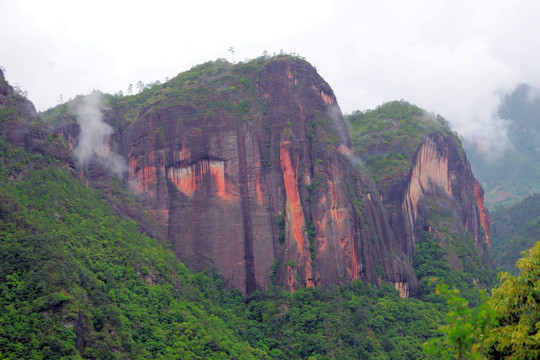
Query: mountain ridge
[(265, 142)]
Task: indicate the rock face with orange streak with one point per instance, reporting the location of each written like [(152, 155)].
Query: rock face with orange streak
[(248, 168), (441, 170), (241, 188), (425, 182)]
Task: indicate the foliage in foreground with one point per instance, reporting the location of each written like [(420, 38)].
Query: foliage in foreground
[(506, 326)]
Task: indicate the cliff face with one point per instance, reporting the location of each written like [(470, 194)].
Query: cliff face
[(20, 127), (425, 182), (250, 169), (266, 193), (440, 169)]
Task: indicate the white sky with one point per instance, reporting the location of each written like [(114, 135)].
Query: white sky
[(452, 57)]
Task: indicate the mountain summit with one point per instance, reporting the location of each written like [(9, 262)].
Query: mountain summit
[(250, 169)]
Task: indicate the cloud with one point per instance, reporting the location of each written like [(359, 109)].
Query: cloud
[(450, 57), (94, 138)]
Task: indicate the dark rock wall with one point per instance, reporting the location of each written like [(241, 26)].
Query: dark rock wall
[(271, 194)]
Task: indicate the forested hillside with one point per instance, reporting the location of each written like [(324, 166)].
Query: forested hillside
[(515, 229), (86, 274)]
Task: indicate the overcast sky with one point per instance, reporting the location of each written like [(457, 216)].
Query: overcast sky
[(454, 58)]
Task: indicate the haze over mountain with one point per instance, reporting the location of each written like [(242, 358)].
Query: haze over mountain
[(513, 174), (371, 52)]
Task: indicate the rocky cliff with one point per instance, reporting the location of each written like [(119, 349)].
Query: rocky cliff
[(19, 125), (428, 185), (249, 168)]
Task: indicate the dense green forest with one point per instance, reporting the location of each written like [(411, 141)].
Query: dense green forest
[(515, 229)]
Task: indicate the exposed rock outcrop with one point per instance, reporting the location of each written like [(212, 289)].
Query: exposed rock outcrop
[(440, 169), (248, 169), (20, 127)]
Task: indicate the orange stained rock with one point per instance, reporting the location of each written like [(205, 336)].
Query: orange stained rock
[(294, 206), (185, 152), (132, 164), (353, 266), (289, 74), (70, 142), (146, 175), (295, 213), (345, 150), (102, 147), (403, 288), (326, 98), (190, 178), (147, 179), (429, 169), (184, 179), (258, 189), (338, 213), (217, 170), (483, 212)]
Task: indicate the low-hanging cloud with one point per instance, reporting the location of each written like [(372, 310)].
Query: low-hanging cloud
[(94, 137)]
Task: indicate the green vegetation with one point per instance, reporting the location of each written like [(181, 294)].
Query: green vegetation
[(353, 321), (387, 137), (431, 262), (511, 176), (78, 282), (504, 326), (514, 229), (212, 88)]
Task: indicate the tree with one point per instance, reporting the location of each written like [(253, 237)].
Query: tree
[(140, 86), (507, 325), (231, 50), (130, 89), (516, 304)]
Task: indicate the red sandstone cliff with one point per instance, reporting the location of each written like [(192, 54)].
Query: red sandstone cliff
[(247, 168), (240, 194), (440, 169)]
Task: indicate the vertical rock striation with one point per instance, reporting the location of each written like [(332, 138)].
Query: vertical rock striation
[(249, 169)]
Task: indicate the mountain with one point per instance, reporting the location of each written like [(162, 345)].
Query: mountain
[(515, 229), (426, 186), (516, 173), (76, 280), (87, 269), (249, 168)]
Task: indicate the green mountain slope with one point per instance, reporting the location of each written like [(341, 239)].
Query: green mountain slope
[(76, 280), (387, 137), (515, 229)]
